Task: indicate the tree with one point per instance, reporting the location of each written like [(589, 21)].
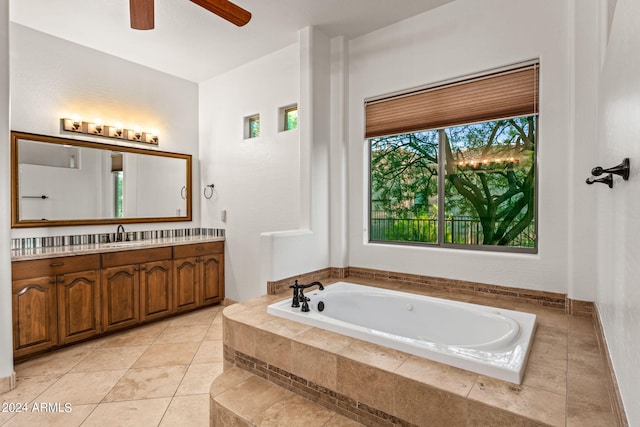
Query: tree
[(404, 169), (490, 177)]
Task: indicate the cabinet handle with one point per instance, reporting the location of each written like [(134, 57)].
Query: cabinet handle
[(56, 264), (61, 281), (199, 248), (52, 281), (137, 269), (144, 267)]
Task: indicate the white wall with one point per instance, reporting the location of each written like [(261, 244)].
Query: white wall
[(586, 25), (62, 187), (618, 290), (162, 180), (306, 247), (256, 180), (339, 149), (53, 78), (457, 39), (6, 343)]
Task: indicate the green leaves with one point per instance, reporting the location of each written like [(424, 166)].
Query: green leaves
[(489, 189)]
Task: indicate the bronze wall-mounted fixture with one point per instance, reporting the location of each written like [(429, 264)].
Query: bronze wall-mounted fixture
[(622, 170)]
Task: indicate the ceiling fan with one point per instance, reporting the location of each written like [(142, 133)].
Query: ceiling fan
[(141, 12)]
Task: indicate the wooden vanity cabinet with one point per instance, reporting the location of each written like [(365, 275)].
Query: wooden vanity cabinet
[(58, 301), (198, 272), (136, 287), (78, 306), (55, 301)]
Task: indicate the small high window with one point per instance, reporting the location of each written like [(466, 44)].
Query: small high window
[(252, 126), (291, 118)]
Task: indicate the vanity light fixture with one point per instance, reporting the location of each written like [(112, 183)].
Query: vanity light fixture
[(95, 128), (117, 131), (137, 133), (76, 122)]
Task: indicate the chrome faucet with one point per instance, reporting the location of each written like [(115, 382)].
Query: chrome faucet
[(298, 294), (119, 233)]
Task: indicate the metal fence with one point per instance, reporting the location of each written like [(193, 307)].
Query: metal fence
[(462, 230)]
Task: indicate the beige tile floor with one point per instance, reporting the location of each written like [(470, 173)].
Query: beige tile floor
[(155, 375)]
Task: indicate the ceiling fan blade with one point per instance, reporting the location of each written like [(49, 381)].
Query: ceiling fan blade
[(227, 10), (141, 12)]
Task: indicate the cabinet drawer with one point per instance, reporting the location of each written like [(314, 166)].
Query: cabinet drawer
[(54, 266), (114, 259), (185, 251)]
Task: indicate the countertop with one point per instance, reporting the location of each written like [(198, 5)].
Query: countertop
[(61, 251)]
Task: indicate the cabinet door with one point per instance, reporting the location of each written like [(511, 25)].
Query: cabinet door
[(212, 279), (186, 283), (156, 296), (35, 325), (120, 297), (78, 306)]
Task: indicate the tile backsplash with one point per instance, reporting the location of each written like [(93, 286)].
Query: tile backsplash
[(84, 239)]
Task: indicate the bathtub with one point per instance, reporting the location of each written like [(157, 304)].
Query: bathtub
[(486, 340)]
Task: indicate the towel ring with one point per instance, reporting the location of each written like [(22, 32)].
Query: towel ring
[(210, 195)]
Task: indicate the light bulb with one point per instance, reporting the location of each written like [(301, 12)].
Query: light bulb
[(76, 121)]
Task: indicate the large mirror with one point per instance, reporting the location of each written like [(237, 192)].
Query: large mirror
[(59, 181)]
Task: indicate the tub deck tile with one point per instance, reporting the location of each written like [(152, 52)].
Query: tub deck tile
[(422, 404), (448, 378), (528, 402), (323, 339), (323, 370), (375, 355), (564, 382), (283, 327), (546, 377), (357, 380)]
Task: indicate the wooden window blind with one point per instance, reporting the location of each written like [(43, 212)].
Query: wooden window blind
[(510, 93)]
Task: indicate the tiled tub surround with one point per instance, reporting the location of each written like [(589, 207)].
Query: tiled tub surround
[(564, 384), (449, 287), (476, 338)]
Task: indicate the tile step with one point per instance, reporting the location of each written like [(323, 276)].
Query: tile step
[(240, 398)]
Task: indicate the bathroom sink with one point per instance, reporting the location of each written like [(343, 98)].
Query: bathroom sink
[(125, 244)]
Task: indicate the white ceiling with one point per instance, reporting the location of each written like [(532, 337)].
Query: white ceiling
[(194, 44)]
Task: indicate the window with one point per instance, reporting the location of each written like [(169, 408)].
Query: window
[(291, 118), (118, 195), (117, 162), (457, 181), (252, 126)]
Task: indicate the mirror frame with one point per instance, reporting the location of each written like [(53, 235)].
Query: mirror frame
[(16, 222)]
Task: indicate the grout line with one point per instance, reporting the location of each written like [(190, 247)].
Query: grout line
[(166, 409), (94, 347), (89, 414)]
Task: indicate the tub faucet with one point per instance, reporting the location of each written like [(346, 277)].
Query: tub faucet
[(298, 294)]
